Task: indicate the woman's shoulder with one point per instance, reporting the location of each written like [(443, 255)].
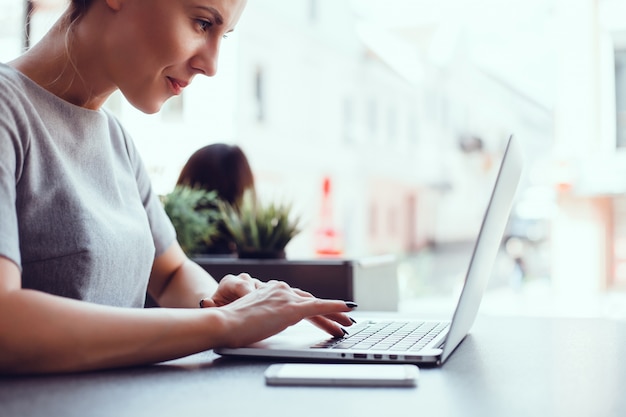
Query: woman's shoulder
[(16, 104), (9, 73), (12, 84), (19, 96)]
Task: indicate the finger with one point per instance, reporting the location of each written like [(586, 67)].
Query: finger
[(330, 327), (242, 284), (238, 285), (329, 315), (341, 318), (253, 283), (245, 277)]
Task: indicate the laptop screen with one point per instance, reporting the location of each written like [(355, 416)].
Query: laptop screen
[(487, 245)]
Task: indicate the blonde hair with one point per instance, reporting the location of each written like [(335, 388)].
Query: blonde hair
[(73, 13), (76, 9)]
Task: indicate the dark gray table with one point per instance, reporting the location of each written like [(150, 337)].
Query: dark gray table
[(505, 367)]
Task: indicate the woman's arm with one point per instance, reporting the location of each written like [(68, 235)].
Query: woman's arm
[(43, 333), (176, 281), (40, 332)]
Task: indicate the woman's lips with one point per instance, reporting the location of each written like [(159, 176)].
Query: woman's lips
[(177, 86)]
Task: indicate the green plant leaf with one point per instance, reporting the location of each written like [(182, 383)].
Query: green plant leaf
[(195, 214), (257, 227)]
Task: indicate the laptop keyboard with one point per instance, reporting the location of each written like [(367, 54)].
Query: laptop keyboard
[(388, 335)]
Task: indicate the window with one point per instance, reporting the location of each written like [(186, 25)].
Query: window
[(313, 9), (29, 9), (392, 123), (373, 220), (259, 98), (392, 221), (620, 98), (372, 117), (412, 129), (348, 120), (617, 274)]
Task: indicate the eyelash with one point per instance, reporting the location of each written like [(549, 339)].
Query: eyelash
[(205, 25)]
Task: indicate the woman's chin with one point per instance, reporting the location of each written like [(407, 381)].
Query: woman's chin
[(147, 106), (151, 110)]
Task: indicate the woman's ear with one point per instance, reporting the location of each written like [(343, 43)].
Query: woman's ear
[(114, 4)]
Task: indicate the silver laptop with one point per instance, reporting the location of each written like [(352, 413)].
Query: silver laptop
[(400, 340)]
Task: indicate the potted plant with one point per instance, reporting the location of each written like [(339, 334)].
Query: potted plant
[(196, 216), (260, 231)]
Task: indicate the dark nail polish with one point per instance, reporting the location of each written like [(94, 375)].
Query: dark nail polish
[(345, 332), (352, 320), (351, 304)]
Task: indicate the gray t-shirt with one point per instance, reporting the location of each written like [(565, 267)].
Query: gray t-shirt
[(77, 211)]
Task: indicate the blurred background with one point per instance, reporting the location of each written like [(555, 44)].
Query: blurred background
[(385, 120)]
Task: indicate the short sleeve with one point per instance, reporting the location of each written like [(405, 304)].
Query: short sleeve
[(163, 232), (12, 152)]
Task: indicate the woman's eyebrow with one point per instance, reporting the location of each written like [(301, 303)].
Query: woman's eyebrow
[(219, 20)]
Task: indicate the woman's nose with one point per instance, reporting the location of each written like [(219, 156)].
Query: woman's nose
[(205, 61)]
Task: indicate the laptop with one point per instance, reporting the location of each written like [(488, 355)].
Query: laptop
[(399, 339)]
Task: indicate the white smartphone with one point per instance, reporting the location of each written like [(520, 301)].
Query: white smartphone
[(331, 374)]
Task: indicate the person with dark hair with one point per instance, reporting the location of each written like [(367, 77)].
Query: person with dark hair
[(83, 236), (225, 169), (220, 167)]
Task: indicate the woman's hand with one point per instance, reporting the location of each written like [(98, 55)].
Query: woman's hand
[(231, 288), (260, 309)]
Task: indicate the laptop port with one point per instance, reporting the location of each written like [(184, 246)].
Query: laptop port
[(378, 356), (360, 356), (394, 357)]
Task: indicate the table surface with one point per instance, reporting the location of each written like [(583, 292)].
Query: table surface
[(506, 367)]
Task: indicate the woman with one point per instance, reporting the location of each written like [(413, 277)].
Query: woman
[(82, 234), (223, 168), (220, 167)]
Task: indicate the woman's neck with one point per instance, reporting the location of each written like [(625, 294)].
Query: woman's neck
[(61, 65)]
